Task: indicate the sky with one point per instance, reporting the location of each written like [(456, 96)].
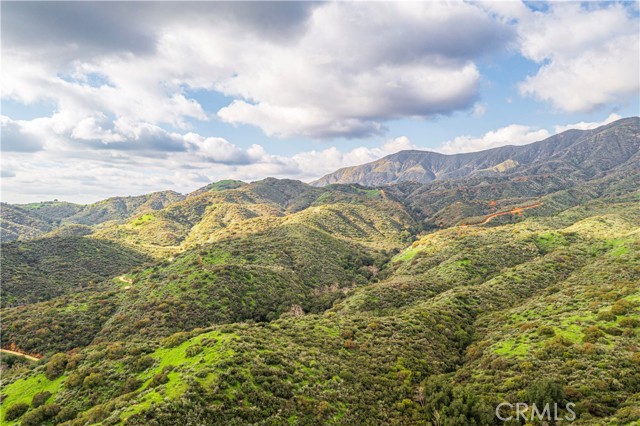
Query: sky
[(103, 99)]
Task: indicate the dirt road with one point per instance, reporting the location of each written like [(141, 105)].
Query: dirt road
[(29, 357), (514, 211), (517, 210)]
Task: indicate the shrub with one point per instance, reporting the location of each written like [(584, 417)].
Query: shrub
[(446, 404), (115, 350), (606, 316), (559, 346), (614, 331), (40, 415), (92, 380), (592, 334), (97, 414), (621, 307), (159, 379), (15, 411), (545, 391), (65, 415), (350, 344), (74, 380), (193, 350), (499, 364), (40, 398), (130, 385), (142, 363), (175, 339), (56, 365), (629, 322), (546, 330)]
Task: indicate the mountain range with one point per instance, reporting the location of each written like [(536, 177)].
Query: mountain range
[(585, 152), (420, 289)]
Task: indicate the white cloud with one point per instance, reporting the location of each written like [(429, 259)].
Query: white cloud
[(479, 110), (513, 134), (314, 164), (347, 69), (583, 125), (589, 55), (120, 75), (360, 64), (17, 138), (92, 158), (133, 164)]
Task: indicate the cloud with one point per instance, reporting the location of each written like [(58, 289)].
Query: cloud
[(359, 65), (514, 134), (221, 151), (16, 138), (63, 170), (319, 70), (88, 160), (121, 77), (479, 109), (583, 125), (86, 29), (589, 55)]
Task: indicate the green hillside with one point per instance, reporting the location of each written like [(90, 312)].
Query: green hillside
[(54, 211), (280, 303), (38, 270), (18, 223), (445, 329)]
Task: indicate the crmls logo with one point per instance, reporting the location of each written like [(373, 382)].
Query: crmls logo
[(522, 412)]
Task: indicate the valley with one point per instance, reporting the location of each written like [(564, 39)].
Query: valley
[(393, 301)]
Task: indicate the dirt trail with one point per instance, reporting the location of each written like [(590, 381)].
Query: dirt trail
[(514, 211), (29, 357), (517, 210)]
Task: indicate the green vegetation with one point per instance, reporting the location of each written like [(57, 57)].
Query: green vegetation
[(276, 303), (446, 329), (34, 271)]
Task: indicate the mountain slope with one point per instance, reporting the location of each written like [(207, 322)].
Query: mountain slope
[(53, 211), (587, 152), (119, 208), (18, 223), (459, 316), (226, 213), (38, 270), (34, 220), (276, 302)]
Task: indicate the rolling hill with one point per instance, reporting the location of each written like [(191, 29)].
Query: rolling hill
[(508, 275), (447, 328)]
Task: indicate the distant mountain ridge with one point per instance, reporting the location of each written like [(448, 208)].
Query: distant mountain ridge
[(441, 189), (27, 221), (575, 151)]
